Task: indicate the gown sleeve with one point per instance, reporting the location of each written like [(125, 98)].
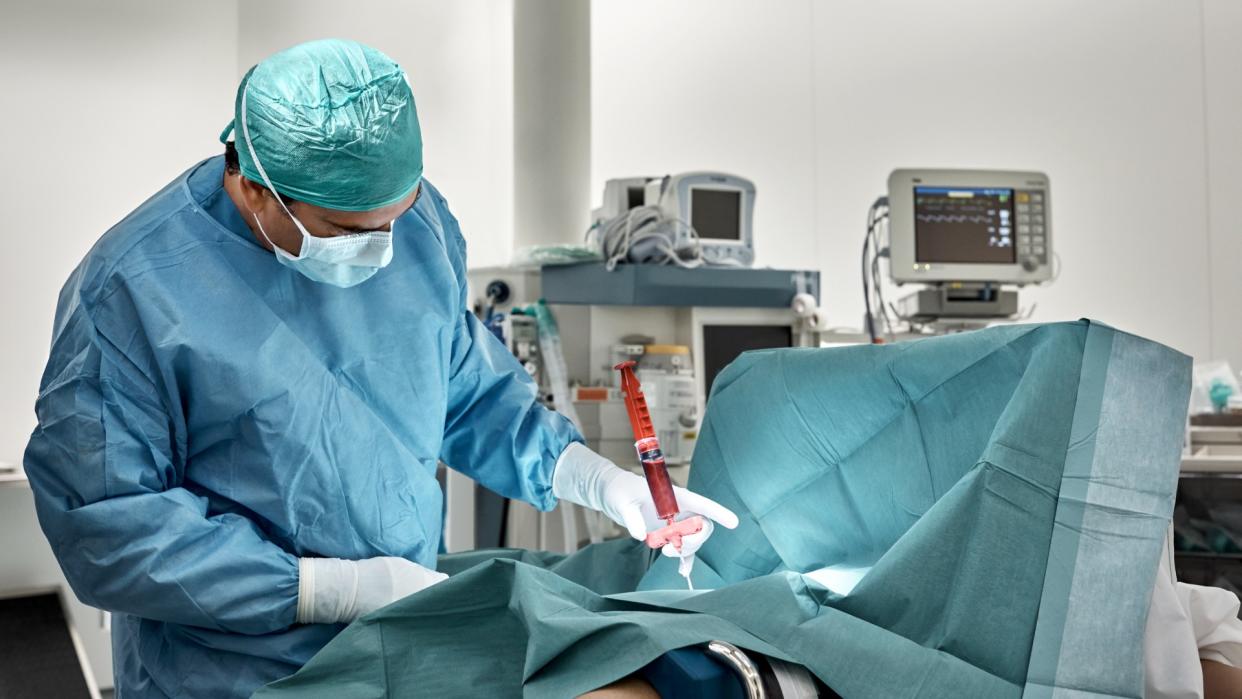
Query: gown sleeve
[(496, 432), (107, 477)]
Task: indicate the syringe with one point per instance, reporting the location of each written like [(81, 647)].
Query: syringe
[(656, 472)]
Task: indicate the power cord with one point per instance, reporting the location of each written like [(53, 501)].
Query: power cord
[(871, 253)]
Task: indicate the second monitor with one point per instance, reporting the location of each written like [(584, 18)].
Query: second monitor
[(970, 226)]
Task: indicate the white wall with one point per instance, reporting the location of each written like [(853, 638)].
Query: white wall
[(459, 56), (1222, 21), (713, 85), (817, 101), (102, 104)]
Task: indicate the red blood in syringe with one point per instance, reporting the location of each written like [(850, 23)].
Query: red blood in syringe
[(648, 446)]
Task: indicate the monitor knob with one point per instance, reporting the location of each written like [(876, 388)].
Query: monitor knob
[(1030, 264)]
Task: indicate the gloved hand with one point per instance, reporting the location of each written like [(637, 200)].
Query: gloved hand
[(588, 479), (336, 591)]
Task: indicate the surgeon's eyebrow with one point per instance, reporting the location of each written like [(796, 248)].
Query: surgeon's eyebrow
[(350, 229), (418, 193)]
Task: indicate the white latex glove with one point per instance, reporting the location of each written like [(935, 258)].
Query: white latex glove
[(336, 591), (588, 479)]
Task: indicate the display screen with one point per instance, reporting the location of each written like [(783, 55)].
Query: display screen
[(964, 225), (716, 214), (634, 197), (723, 343)]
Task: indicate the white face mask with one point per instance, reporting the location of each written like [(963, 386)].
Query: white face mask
[(342, 261)]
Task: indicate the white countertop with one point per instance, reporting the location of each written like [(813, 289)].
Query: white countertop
[(12, 475)]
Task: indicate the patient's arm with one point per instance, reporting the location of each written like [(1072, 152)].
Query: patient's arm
[(1221, 681), (627, 688)]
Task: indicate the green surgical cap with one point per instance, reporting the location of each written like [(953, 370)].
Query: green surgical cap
[(333, 123)]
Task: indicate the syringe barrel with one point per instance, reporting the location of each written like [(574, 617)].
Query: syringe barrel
[(658, 481)]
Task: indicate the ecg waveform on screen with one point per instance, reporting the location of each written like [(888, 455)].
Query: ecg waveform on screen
[(964, 225), (952, 218)]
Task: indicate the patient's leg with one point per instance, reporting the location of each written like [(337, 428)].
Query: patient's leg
[(1221, 681)]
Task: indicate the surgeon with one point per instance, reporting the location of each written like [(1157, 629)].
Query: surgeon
[(252, 379)]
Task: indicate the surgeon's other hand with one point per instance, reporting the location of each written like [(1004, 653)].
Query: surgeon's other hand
[(336, 591), (588, 479)]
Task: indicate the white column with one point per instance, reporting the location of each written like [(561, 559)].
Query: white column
[(551, 120)]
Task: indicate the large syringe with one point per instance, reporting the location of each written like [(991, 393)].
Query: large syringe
[(652, 459)]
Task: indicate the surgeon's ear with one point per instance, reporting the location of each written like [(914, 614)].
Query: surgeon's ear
[(254, 195)]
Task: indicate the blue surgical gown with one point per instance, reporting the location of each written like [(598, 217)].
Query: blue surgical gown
[(208, 416)]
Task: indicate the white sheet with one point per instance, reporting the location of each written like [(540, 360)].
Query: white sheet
[(1187, 623)]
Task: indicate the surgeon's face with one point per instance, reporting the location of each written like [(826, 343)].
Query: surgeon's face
[(319, 222)]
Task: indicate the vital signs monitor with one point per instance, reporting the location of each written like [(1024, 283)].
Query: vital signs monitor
[(970, 226)]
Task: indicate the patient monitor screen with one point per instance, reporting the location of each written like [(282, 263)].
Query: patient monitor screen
[(964, 225), (634, 197), (716, 214), (723, 343)]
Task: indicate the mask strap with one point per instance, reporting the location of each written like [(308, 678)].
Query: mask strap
[(245, 127)]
